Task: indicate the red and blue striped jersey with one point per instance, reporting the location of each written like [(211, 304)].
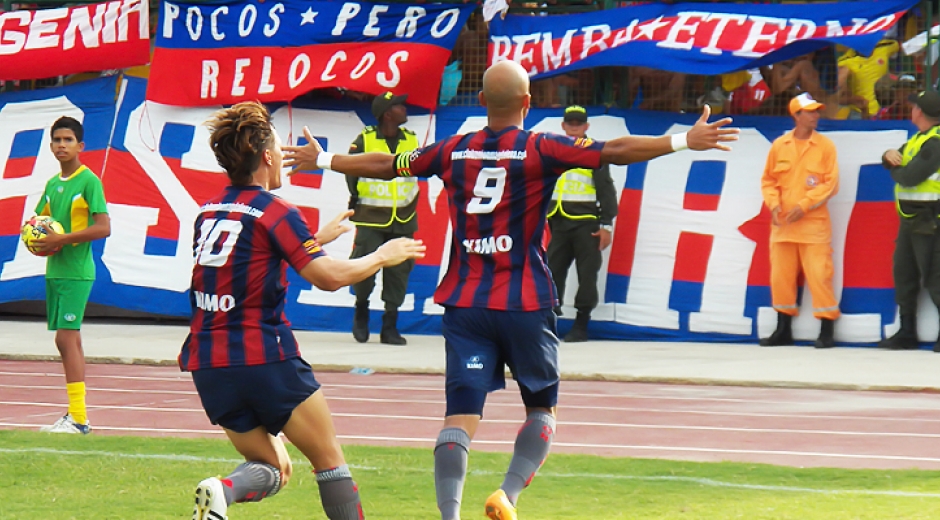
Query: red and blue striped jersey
[(244, 239), (499, 185)]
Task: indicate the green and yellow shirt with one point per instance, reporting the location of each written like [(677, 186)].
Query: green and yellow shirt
[(73, 201)]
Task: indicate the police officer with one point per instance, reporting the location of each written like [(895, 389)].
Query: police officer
[(915, 169), (384, 210), (581, 216)]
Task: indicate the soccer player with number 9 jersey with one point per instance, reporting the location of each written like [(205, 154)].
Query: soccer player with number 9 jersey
[(498, 292)]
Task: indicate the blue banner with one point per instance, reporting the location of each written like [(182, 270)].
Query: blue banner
[(690, 253), (704, 38)]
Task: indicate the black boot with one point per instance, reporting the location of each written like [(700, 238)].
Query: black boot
[(361, 322), (579, 332), (825, 339), (905, 338), (783, 335), (390, 333)]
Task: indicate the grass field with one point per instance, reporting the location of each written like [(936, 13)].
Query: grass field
[(45, 476)]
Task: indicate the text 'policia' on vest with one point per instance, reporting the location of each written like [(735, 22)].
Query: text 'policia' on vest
[(575, 195), (382, 202)]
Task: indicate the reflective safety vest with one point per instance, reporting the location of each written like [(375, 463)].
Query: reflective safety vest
[(383, 202), (927, 191), (575, 196)]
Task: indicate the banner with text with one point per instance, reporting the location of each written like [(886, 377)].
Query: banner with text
[(705, 38), (227, 52), (689, 259), (66, 40)]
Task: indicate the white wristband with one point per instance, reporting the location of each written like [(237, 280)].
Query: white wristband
[(680, 142), (325, 160)]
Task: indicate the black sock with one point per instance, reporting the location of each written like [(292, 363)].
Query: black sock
[(532, 446), (450, 470), (339, 494)]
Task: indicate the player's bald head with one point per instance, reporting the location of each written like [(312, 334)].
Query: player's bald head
[(505, 86)]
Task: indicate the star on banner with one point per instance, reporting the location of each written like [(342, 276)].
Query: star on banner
[(308, 16), (649, 28)]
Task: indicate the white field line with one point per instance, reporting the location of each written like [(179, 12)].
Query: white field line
[(492, 404), (430, 441), (184, 378), (858, 456), (544, 474), (112, 390), (435, 418)]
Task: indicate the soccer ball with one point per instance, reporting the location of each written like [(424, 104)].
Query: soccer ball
[(34, 229)]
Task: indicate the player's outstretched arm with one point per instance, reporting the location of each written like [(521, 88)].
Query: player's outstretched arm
[(703, 136), (375, 165), (329, 273)]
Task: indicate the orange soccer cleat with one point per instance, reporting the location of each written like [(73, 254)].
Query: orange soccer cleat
[(498, 507)]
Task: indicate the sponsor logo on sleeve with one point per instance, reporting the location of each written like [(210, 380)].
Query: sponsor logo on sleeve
[(312, 246)]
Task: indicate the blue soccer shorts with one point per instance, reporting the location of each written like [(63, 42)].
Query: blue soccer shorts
[(481, 343), (242, 398)]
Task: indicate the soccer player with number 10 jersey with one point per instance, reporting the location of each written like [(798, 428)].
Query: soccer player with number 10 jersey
[(245, 361), (498, 292)]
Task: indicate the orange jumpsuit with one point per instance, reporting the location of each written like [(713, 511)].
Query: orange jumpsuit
[(804, 173)]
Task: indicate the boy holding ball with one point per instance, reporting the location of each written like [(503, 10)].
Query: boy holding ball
[(74, 198)]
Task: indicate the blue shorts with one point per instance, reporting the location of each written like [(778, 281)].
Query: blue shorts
[(481, 343), (242, 398)]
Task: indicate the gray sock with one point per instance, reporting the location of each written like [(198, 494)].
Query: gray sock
[(532, 446), (450, 470), (339, 494), (251, 482)]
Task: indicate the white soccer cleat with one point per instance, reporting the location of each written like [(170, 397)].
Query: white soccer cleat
[(66, 424), (55, 424), (210, 501)]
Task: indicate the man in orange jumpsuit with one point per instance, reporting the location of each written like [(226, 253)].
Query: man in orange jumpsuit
[(800, 176)]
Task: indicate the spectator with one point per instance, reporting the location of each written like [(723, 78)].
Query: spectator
[(553, 92), (652, 89), (917, 193), (897, 104), (800, 176), (860, 73), (790, 78), (747, 91), (470, 50)]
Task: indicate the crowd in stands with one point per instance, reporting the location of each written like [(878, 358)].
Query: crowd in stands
[(852, 86)]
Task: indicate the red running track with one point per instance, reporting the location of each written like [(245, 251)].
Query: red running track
[(792, 427)]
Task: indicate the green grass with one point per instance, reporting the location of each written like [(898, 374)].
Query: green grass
[(45, 476)]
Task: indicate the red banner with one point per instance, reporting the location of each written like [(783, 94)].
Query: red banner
[(229, 51), (68, 40)]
